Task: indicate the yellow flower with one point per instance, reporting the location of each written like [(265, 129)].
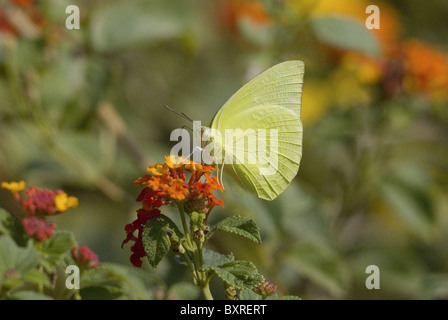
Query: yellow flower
[(158, 170), (14, 187), (174, 162), (426, 70), (366, 69), (316, 101), (64, 202), (192, 166)]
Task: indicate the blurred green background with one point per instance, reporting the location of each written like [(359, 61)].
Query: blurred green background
[(82, 110)]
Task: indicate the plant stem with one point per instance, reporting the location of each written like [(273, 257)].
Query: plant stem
[(206, 291), (195, 248)]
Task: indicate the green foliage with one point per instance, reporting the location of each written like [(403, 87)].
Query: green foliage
[(36, 270), (214, 259), (239, 274), (241, 226), (345, 33), (54, 249), (157, 236)]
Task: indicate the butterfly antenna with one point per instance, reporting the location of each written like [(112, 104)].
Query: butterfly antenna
[(181, 114), (185, 127), (220, 176), (186, 117)]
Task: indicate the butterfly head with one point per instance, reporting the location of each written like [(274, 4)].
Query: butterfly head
[(206, 133)]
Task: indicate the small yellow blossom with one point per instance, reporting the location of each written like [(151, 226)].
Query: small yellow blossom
[(158, 170), (192, 166), (174, 162), (64, 202), (14, 187)]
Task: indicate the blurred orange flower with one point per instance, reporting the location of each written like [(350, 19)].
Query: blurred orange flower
[(23, 3), (425, 69), (234, 11)]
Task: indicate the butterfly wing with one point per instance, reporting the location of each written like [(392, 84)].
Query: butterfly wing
[(270, 103), (279, 85), (269, 168)]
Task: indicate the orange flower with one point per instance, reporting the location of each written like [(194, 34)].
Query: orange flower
[(23, 3), (164, 184), (234, 11), (5, 25), (142, 180), (177, 190), (426, 69), (213, 182), (202, 188)]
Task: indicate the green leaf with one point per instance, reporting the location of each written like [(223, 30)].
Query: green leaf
[(156, 238), (123, 23), (30, 295), (248, 294), (239, 274), (212, 258), (12, 227), (241, 226), (54, 249), (410, 205), (136, 284), (101, 293), (38, 277), (14, 257), (17, 264), (345, 33)]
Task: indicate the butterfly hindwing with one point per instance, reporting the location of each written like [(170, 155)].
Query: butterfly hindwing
[(269, 167), (270, 101)]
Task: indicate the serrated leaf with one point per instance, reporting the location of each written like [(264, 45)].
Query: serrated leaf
[(12, 227), (54, 249), (239, 274), (156, 238), (241, 226), (248, 294), (212, 258), (16, 258), (345, 33)]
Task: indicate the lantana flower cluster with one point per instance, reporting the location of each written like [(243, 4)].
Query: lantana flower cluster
[(166, 184), (265, 288), (40, 203)]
